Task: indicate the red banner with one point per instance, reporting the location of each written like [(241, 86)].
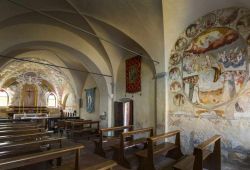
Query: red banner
[(133, 74)]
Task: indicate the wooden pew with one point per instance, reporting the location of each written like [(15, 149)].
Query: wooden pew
[(33, 158), (23, 136), (172, 150), (107, 165), (203, 157), (104, 143), (10, 149), (119, 149), (17, 127), (12, 145), (69, 123), (84, 127), (21, 131)]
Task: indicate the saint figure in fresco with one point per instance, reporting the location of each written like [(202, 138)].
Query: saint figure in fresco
[(229, 86), (195, 98)]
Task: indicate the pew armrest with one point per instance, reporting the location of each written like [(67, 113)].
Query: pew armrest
[(209, 142)]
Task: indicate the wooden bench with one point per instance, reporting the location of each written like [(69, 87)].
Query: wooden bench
[(28, 159), (12, 145), (172, 150), (107, 165), (119, 149), (19, 124), (68, 125), (23, 136), (203, 157), (104, 143), (21, 131), (10, 149), (85, 128), (17, 128)]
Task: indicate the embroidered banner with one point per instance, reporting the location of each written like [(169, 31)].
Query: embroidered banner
[(90, 100), (133, 74)]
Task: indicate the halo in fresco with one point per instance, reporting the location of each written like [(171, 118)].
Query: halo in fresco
[(175, 59), (175, 74), (175, 86), (180, 44), (214, 59), (208, 20), (192, 30), (178, 100)]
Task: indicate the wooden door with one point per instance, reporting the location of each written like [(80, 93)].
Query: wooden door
[(118, 114)]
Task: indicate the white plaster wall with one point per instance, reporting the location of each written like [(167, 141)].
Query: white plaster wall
[(144, 104), (90, 83), (71, 102)]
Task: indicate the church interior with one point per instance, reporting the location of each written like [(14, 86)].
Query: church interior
[(124, 84)]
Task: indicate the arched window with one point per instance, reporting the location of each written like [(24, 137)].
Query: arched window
[(52, 100), (3, 98)]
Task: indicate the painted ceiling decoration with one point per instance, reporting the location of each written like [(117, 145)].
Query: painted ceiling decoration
[(209, 62), (16, 74)]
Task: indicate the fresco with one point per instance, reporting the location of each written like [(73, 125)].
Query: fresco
[(213, 56), (209, 87), (39, 75)]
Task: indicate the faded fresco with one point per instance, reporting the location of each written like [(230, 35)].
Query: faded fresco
[(44, 79), (209, 89)]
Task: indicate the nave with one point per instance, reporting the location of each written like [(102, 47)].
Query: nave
[(172, 75), (79, 144)]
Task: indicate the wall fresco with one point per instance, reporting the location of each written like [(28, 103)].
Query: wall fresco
[(14, 76), (209, 88)]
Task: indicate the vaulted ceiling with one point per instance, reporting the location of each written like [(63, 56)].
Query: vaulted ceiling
[(60, 32)]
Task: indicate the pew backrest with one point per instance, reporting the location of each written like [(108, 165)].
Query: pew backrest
[(201, 155), (201, 152), (23, 136), (21, 131), (28, 159), (30, 143), (113, 129), (153, 148), (125, 135)]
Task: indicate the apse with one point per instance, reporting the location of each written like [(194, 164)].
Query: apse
[(36, 84)]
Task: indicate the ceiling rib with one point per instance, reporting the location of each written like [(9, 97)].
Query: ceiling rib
[(52, 65), (80, 29)]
